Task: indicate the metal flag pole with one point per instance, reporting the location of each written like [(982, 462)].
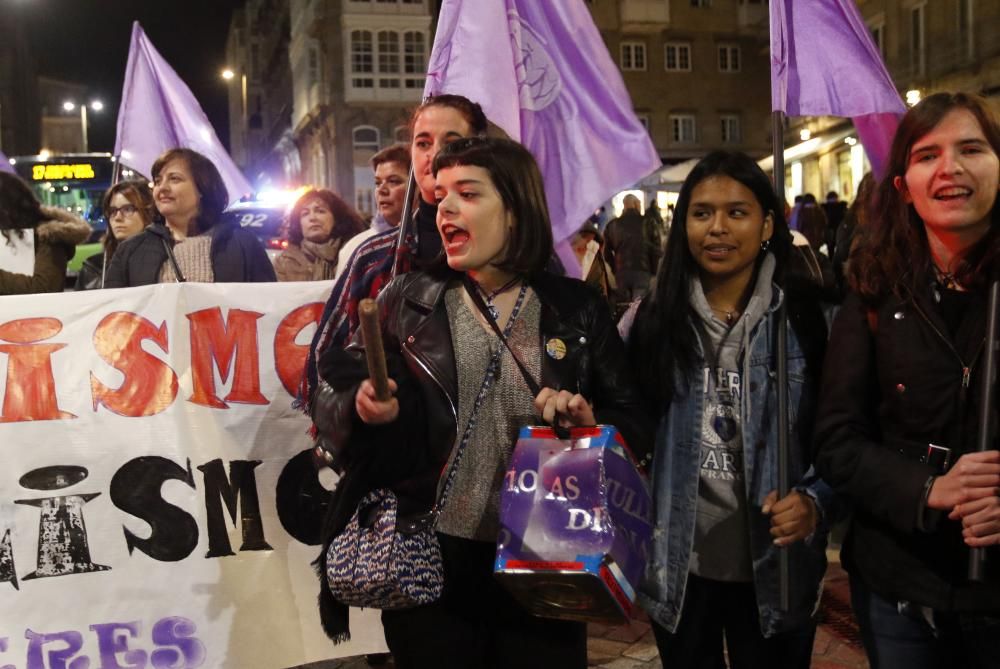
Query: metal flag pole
[(984, 441), (404, 223), (778, 151)]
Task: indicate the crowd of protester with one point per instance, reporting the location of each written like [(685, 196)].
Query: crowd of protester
[(884, 303)]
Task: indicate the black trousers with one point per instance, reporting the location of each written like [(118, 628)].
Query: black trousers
[(477, 625), (713, 609)]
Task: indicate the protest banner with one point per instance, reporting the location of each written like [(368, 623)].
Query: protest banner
[(158, 504)]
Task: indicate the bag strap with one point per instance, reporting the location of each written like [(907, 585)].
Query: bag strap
[(179, 275), (491, 370), (477, 299)]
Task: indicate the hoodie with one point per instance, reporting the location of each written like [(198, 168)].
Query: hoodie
[(56, 237)]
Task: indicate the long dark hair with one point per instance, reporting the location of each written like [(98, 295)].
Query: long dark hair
[(516, 177), (208, 181), (892, 255), (139, 195), (346, 221), (19, 208), (662, 341)]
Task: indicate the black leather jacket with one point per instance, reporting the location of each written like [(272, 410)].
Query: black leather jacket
[(409, 454)]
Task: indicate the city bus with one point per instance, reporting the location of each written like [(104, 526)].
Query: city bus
[(75, 182)]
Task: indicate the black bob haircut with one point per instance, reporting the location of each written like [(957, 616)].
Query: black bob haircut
[(516, 177)]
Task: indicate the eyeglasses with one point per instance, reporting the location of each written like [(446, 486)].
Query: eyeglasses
[(125, 210)]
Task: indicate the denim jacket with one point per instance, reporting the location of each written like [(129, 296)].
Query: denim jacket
[(675, 476)]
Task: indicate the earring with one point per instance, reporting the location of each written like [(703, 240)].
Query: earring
[(765, 245)]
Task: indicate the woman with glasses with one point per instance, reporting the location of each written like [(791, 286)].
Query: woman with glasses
[(128, 208)]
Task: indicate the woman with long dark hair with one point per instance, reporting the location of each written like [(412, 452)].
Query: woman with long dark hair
[(899, 412), (189, 241), (457, 387), (704, 345)]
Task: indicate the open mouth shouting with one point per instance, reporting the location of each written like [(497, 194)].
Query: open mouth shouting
[(454, 237)]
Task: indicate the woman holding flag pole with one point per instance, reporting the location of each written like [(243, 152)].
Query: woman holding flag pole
[(705, 346), (898, 420), (438, 121)]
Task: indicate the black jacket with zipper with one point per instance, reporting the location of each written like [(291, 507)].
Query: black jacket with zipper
[(409, 454), (894, 381), (237, 257)]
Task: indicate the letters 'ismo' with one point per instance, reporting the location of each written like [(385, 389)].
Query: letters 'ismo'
[(158, 504)]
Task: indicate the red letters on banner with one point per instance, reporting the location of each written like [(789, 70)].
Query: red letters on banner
[(150, 385), (31, 387), (213, 341)]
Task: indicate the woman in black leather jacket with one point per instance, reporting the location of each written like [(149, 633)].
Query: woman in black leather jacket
[(898, 416), (497, 238)]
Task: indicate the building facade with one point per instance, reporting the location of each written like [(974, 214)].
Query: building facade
[(697, 71), (20, 128), (928, 46), (260, 92), (357, 69)]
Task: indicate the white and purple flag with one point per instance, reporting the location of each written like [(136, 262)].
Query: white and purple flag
[(541, 72), (5, 164), (159, 112), (825, 63)]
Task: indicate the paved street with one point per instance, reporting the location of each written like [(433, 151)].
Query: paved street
[(837, 645)]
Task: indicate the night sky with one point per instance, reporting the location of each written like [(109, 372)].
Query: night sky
[(86, 41)]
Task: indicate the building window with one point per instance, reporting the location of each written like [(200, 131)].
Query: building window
[(313, 65), (731, 131), (729, 58), (917, 44), (362, 59), (677, 57), (644, 120), (401, 134), (701, 3), (366, 138), (414, 59), (388, 59), (683, 127), (363, 196), (965, 32), (878, 36), (633, 56)]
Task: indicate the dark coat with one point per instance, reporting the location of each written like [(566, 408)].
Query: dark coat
[(91, 272), (632, 243), (409, 454), (237, 257), (891, 387)]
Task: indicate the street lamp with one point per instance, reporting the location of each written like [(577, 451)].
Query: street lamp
[(228, 75), (96, 105)]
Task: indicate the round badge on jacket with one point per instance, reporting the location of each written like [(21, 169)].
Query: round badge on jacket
[(556, 348)]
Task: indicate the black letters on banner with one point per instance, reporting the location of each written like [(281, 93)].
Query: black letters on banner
[(240, 487), (135, 489)]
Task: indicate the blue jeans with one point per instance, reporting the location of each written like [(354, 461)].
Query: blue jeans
[(905, 636), (713, 609)]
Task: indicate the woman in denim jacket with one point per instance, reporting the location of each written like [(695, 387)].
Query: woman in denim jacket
[(704, 345)]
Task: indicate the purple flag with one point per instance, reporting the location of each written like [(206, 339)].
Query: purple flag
[(159, 112), (550, 83), (824, 63), (5, 165)]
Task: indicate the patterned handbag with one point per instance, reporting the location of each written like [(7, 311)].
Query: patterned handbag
[(383, 562)]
